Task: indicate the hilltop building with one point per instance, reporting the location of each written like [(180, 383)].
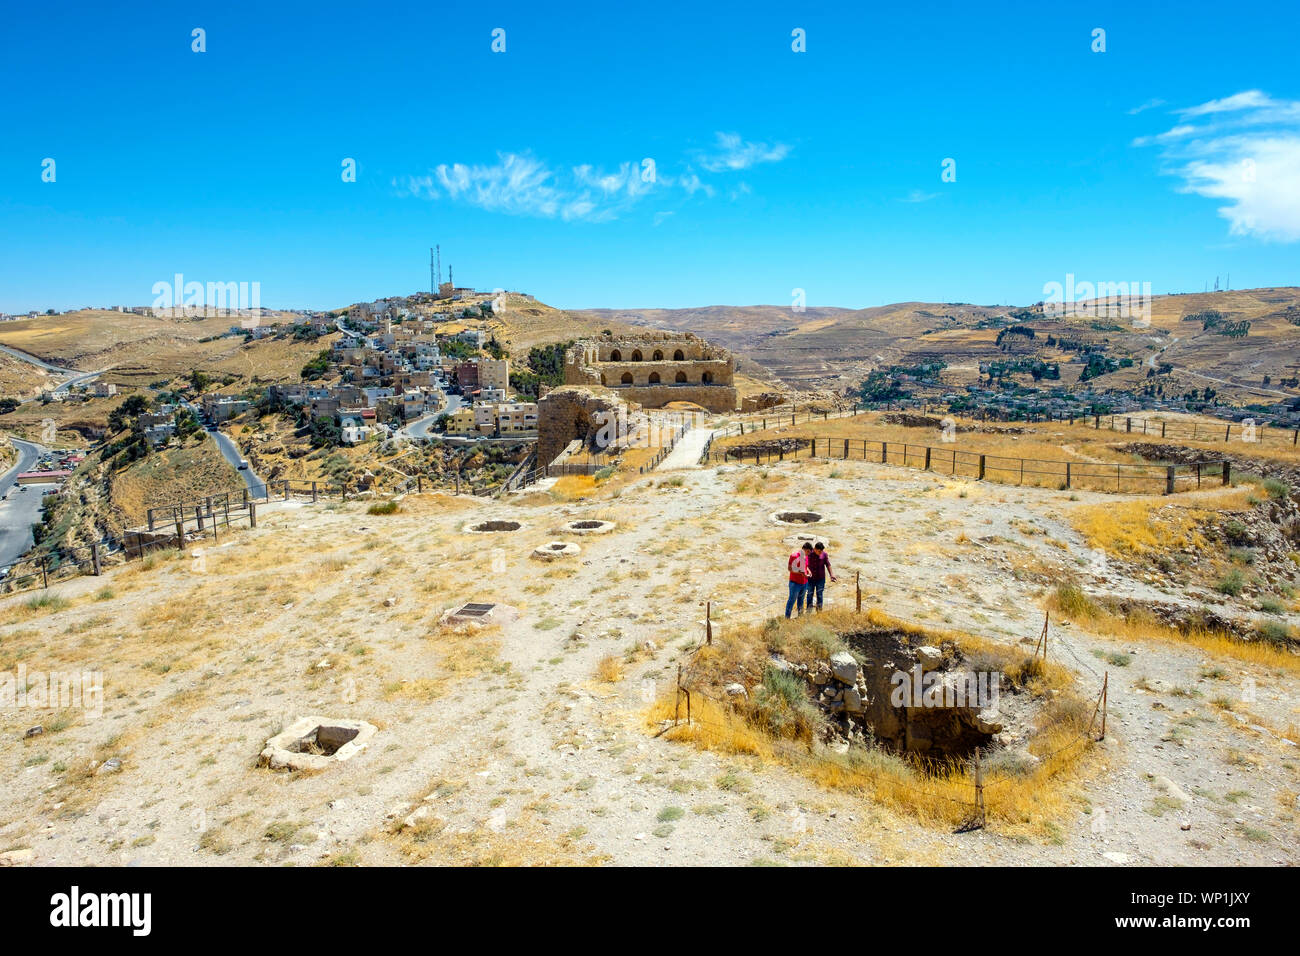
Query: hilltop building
[(656, 368)]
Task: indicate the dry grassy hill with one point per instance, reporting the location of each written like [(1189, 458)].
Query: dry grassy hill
[(547, 738), (835, 348), (139, 349)]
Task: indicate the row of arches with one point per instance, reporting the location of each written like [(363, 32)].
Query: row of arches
[(617, 356), (706, 378)]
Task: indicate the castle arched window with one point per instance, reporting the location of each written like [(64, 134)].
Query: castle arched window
[(627, 378), (707, 378), (681, 378), (616, 356), (654, 378), (636, 355), (679, 356), (659, 355)]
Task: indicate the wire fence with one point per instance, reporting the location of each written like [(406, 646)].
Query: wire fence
[(1249, 433), (173, 528), (688, 688), (980, 466)]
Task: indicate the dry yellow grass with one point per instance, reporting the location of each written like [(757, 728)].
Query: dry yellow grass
[(1073, 607), (935, 794), (610, 669), (1017, 453), (1140, 528)]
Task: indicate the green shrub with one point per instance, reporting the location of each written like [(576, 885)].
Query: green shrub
[(781, 707), (1071, 600), (1275, 632), (1232, 583), (1271, 605), (382, 508)]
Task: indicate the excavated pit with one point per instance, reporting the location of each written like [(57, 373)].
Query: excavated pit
[(915, 700), (798, 517), (554, 550), (493, 527), (316, 743), (588, 526)]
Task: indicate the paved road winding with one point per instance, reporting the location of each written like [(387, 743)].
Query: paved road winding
[(19, 509)]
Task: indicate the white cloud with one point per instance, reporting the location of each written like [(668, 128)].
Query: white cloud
[(733, 153), (521, 184), (1148, 105), (1243, 149), (917, 195)]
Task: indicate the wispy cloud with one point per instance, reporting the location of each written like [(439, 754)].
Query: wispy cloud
[(1245, 150), (917, 195), (731, 153), (521, 184), (1148, 105)]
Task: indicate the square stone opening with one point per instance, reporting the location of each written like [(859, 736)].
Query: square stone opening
[(316, 743), (323, 740)]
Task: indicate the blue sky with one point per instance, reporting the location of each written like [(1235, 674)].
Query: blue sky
[(1169, 158)]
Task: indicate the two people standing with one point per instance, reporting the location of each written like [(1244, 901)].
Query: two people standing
[(809, 567)]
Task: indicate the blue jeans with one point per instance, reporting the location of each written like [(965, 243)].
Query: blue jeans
[(816, 588), (797, 592)]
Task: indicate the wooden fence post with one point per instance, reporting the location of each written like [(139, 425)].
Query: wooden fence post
[(857, 587), (981, 477), (45, 574), (927, 457), (180, 533), (252, 514), (708, 622), (1227, 471), (313, 492), (1169, 479), (979, 791), (1067, 471), (94, 557), (1105, 703)]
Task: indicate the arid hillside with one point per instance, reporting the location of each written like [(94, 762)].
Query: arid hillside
[(553, 731), (135, 350), (835, 348)]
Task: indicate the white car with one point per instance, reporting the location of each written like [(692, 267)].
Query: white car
[(243, 464)]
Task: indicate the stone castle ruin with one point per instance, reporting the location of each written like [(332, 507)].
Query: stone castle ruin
[(656, 368)]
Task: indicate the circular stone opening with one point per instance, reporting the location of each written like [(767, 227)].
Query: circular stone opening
[(555, 549), (797, 517), (588, 526), (490, 527)]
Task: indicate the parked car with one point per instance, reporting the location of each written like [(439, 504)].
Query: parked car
[(243, 464)]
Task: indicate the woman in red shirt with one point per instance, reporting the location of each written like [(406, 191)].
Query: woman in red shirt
[(799, 571)]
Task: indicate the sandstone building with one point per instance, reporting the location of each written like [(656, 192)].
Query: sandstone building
[(656, 368)]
